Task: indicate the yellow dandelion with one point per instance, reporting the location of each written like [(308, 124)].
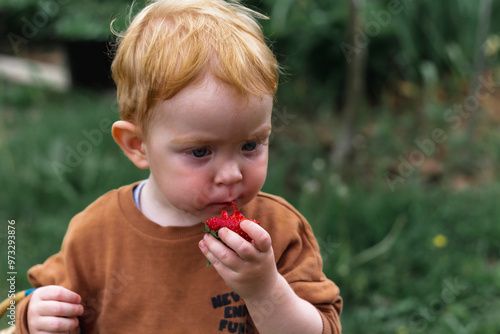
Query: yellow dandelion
[(440, 241), (402, 330)]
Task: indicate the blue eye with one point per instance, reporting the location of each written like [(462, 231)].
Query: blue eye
[(250, 146), (200, 152)]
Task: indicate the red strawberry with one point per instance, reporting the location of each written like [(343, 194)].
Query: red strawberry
[(232, 222)]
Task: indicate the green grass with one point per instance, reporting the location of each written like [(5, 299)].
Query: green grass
[(377, 243)]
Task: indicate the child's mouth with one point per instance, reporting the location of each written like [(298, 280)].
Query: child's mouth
[(224, 204)]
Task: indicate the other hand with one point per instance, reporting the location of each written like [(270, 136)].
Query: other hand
[(54, 309)]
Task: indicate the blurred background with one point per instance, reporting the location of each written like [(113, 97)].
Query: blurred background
[(385, 138)]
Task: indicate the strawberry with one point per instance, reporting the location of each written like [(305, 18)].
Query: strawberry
[(232, 222)]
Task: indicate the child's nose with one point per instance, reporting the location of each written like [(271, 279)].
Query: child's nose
[(228, 174)]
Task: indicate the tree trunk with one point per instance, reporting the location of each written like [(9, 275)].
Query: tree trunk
[(483, 26), (357, 48)]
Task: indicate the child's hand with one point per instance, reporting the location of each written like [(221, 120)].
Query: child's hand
[(247, 268), (53, 309)]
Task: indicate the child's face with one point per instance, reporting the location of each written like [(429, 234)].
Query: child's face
[(208, 146)]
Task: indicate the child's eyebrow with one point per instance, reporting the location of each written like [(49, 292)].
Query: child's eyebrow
[(191, 140), (260, 133)]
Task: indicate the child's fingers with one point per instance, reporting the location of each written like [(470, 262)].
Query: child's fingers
[(216, 252), (243, 248), (60, 309), (260, 237), (57, 324), (206, 251), (58, 293)]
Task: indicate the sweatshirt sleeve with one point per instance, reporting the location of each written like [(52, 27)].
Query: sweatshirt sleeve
[(52, 272), (302, 267), (62, 269), (22, 316), (298, 258)]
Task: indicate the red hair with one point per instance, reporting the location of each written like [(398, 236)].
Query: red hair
[(170, 43)]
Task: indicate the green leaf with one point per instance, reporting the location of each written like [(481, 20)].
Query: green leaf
[(215, 234)]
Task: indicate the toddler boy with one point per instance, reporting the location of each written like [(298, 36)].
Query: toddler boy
[(195, 84)]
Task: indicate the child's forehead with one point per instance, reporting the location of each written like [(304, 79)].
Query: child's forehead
[(210, 102), (208, 92)]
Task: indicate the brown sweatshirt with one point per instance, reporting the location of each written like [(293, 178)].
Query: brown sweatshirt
[(135, 276)]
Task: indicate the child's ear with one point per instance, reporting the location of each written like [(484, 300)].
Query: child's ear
[(127, 136)]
